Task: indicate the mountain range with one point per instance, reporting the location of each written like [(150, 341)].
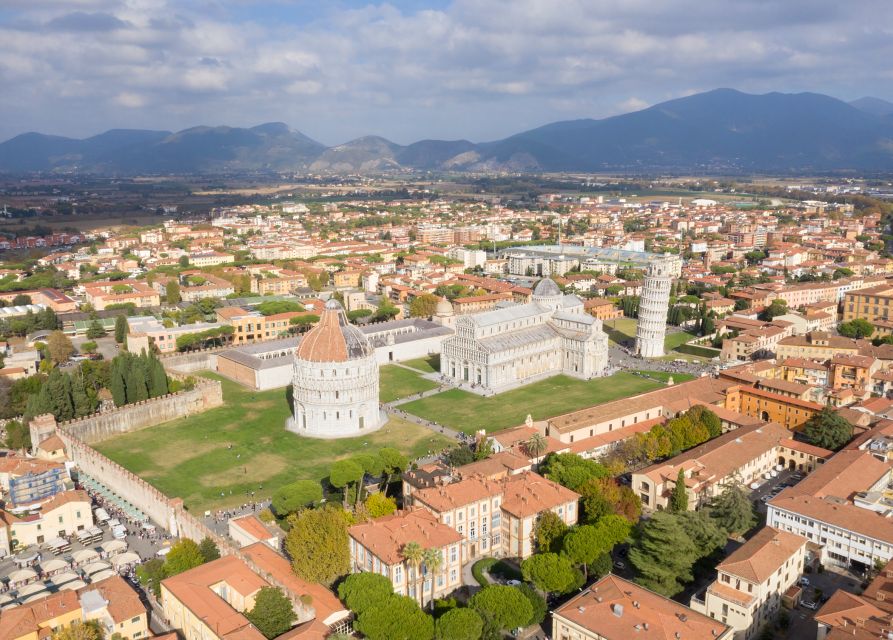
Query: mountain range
[(719, 130)]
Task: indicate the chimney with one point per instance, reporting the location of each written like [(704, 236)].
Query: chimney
[(617, 610)]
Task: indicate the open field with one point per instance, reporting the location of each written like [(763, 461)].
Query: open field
[(212, 459), (663, 376), (431, 364), (397, 382), (469, 412), (624, 329)]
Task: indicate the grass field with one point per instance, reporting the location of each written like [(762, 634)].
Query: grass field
[(397, 382), (191, 457), (663, 376), (624, 329), (469, 412), (431, 364)]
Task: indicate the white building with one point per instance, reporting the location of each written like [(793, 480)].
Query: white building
[(335, 380), (750, 584), (653, 306), (520, 343)]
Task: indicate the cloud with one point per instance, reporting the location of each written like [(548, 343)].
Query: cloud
[(476, 69)]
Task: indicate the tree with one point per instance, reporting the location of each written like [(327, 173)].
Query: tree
[(78, 630), (18, 436), (121, 329), (392, 462), (663, 554), (414, 555), (549, 572), (158, 382), (21, 300), (549, 531), (89, 347), (679, 497), (379, 504), (506, 607), (397, 618), (172, 291), (59, 347), (273, 613), (733, 511), (707, 537), (385, 311), (537, 603), (183, 261), (317, 543), (570, 470), (344, 473), (295, 495), (183, 556), (777, 308), (208, 548), (828, 429), (603, 496), (586, 543), (460, 455), (150, 574), (856, 328), (536, 445), (95, 330), (362, 591), (423, 306), (459, 624)]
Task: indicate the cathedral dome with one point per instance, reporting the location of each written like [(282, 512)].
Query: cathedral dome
[(546, 288), (333, 339), (444, 308)]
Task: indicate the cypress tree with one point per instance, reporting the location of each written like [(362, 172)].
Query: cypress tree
[(116, 383), (679, 497), (135, 383), (82, 404), (157, 378), (120, 329)]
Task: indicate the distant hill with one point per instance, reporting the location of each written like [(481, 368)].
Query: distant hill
[(720, 130), (874, 106)]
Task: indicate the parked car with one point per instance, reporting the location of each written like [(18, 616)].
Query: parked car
[(809, 605), (804, 581), (619, 565)]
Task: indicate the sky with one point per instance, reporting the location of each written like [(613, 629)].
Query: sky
[(413, 69)]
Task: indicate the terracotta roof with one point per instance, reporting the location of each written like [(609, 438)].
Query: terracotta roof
[(529, 493), (252, 525), (616, 609), (761, 556), (123, 602), (333, 339), (328, 608), (193, 589), (30, 617), (385, 537), (53, 443), (64, 497)]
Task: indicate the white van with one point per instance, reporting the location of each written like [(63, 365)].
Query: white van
[(119, 532), (101, 515)]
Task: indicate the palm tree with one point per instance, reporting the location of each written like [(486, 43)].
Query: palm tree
[(536, 445), (413, 554), (433, 560)]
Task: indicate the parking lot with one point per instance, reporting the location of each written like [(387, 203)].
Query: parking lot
[(821, 587), (772, 487)]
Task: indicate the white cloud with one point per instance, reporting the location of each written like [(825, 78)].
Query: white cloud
[(477, 69)]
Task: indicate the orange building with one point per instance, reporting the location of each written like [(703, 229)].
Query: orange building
[(770, 406)]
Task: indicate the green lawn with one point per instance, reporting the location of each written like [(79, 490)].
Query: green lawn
[(430, 364), (624, 330), (561, 394), (663, 376), (190, 458), (397, 382)]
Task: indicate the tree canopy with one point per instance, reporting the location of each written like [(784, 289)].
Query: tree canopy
[(828, 429), (733, 511), (317, 543), (295, 495), (184, 555), (273, 613), (459, 624), (571, 470), (423, 306), (550, 572), (663, 554), (549, 531), (679, 497), (361, 591), (856, 328), (396, 618), (506, 607)]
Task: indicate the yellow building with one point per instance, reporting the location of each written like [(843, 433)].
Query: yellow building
[(771, 406), (873, 304), (817, 345), (62, 515)]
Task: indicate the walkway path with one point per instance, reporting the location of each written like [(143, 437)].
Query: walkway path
[(391, 409), (419, 395)]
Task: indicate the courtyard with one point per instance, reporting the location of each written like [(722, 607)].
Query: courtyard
[(468, 412), (215, 459)]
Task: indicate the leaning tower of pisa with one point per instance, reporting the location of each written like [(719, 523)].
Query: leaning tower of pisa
[(653, 307)]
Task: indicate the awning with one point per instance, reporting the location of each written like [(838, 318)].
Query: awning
[(96, 567), (84, 556), (124, 559)]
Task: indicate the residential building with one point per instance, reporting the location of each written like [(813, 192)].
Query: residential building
[(771, 406), (108, 292), (377, 546), (617, 609), (815, 346), (497, 517), (61, 516), (751, 583), (28, 480), (866, 616)]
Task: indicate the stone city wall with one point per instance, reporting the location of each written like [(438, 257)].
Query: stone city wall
[(207, 394), (192, 361), (168, 513)]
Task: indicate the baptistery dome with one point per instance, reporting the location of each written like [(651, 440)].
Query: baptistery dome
[(335, 380)]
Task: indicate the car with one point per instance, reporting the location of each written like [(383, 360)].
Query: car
[(513, 583), (804, 581), (765, 499), (809, 605), (619, 565)]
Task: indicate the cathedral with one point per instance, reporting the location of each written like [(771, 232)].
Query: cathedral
[(516, 344)]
